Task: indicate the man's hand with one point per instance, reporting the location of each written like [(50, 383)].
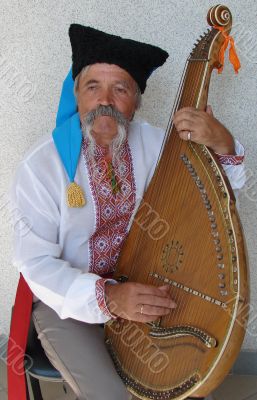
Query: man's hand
[(204, 128), (138, 302)]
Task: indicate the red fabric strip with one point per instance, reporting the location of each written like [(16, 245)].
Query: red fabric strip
[(230, 160), (18, 341)]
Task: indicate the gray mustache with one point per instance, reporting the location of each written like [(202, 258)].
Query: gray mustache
[(108, 111)]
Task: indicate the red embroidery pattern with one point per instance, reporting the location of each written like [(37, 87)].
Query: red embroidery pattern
[(113, 211), (230, 160), (100, 297)]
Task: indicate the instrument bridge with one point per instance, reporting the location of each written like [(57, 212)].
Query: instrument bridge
[(187, 289)]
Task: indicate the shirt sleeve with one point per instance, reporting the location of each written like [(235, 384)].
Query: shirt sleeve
[(69, 291), (101, 299), (234, 167)]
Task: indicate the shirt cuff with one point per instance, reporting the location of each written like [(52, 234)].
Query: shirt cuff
[(233, 159), (100, 297)]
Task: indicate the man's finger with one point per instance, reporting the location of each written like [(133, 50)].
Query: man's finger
[(185, 125), (143, 289), (185, 116), (153, 310), (185, 109), (165, 302), (164, 288), (186, 135)]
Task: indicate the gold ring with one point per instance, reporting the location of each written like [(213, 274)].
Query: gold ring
[(141, 309), (189, 135)]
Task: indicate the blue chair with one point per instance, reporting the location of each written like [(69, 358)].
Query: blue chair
[(41, 369)]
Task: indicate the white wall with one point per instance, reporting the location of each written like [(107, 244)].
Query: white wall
[(34, 45)]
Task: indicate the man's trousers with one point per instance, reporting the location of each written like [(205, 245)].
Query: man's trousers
[(77, 350)]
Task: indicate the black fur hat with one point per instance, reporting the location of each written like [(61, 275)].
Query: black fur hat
[(91, 46)]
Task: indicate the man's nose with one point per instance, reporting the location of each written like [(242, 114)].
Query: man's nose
[(106, 97)]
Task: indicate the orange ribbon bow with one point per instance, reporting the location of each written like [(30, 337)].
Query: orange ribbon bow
[(233, 57)]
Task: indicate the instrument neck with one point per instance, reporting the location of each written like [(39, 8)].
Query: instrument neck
[(193, 89), (193, 93)]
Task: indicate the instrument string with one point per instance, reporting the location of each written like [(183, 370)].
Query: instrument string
[(180, 306), (184, 97), (195, 76), (177, 292), (167, 134), (191, 309), (196, 72), (178, 105), (170, 122), (174, 109), (169, 154)]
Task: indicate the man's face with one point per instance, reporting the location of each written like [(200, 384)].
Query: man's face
[(106, 84)]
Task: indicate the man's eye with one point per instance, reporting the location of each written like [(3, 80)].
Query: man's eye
[(92, 87), (121, 90)]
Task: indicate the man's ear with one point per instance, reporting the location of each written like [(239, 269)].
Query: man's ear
[(209, 110)]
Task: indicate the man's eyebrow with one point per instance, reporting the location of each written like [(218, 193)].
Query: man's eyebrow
[(90, 82), (117, 82), (124, 83)]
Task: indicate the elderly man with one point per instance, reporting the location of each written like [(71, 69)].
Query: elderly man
[(79, 189)]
